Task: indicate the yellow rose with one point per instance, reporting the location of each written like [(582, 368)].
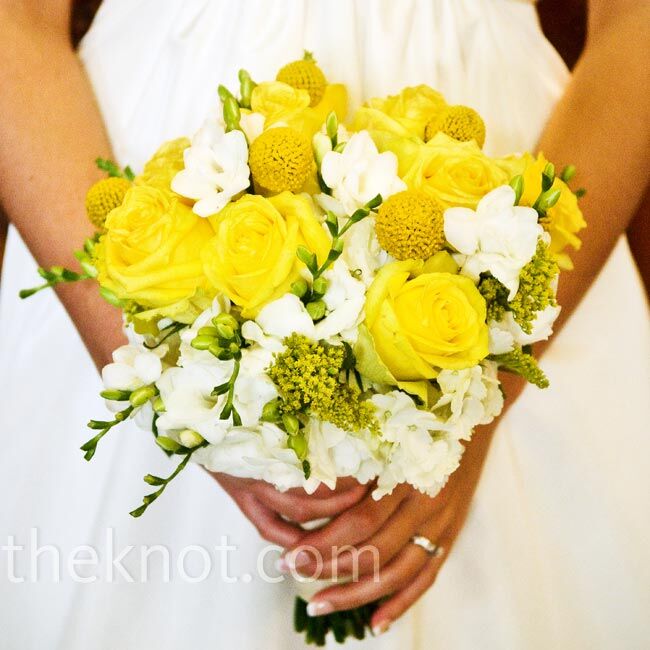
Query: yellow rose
[(151, 250), (421, 321), (564, 219), (457, 173), (252, 259), (279, 102), (164, 165), (405, 114)]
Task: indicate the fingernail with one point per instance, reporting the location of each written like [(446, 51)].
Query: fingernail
[(296, 560), (319, 608), (381, 627)]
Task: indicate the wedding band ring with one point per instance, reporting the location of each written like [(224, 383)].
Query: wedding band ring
[(424, 542)]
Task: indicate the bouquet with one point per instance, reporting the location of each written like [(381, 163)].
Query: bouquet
[(308, 298)]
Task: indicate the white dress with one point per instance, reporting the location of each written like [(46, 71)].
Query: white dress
[(555, 552)]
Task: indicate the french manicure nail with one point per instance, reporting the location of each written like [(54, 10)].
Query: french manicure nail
[(319, 608), (380, 628)]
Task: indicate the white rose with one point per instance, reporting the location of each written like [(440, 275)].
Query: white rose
[(498, 237), (360, 173)]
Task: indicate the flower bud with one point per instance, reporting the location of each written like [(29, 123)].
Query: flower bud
[(291, 424), (116, 395), (299, 445), (300, 288), (142, 395), (321, 145), (320, 286), (202, 342), (271, 411), (316, 310), (517, 184), (159, 405), (332, 126), (225, 331), (209, 331), (190, 439), (225, 319)]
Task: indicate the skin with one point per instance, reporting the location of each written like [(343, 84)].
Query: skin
[(42, 82)]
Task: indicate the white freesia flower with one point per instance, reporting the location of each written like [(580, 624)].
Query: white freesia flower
[(360, 172), (335, 453), (498, 237), (362, 251), (216, 168), (505, 334), (188, 354), (252, 124), (470, 397), (322, 143), (285, 316), (133, 367), (345, 298), (255, 452), (421, 453), (187, 395)]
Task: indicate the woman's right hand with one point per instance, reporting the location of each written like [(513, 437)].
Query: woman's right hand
[(276, 515)]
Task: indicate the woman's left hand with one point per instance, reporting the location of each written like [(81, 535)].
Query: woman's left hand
[(371, 542)]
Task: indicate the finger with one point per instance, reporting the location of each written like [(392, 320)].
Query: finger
[(302, 507), (392, 578), (392, 537), (268, 523), (351, 527), (391, 609), (324, 492)]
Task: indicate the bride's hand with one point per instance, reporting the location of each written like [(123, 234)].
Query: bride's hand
[(384, 562), (268, 509)]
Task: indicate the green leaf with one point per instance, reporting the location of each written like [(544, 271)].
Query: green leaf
[(568, 173), (128, 174), (221, 389), (108, 166), (110, 297), (374, 202)]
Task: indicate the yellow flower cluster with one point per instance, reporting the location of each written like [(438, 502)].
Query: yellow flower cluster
[(104, 196), (281, 159), (523, 364), (304, 75), (307, 375), (461, 123), (410, 225)]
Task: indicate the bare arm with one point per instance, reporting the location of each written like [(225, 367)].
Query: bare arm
[(50, 133)]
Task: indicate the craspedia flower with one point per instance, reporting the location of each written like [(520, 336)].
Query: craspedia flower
[(304, 75), (104, 196), (459, 122), (410, 225), (281, 159)]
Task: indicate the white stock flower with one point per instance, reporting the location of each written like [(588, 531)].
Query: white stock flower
[(216, 168), (345, 298), (133, 367), (257, 452), (336, 453), (470, 397), (420, 453), (505, 334), (360, 172), (498, 237), (362, 252)]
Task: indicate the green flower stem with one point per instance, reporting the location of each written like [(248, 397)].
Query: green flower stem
[(53, 276), (229, 408), (173, 329), (150, 479), (104, 426)]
